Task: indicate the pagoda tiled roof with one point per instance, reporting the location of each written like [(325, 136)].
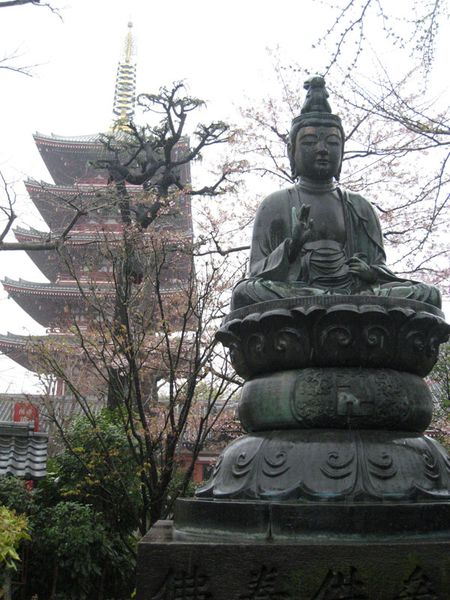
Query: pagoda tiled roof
[(58, 288), (14, 340), (52, 304), (76, 236), (31, 235), (23, 349), (54, 202), (89, 139), (70, 159), (77, 189), (81, 245), (23, 452), (55, 305), (19, 347), (69, 190)]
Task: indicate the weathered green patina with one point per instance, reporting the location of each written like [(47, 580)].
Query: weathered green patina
[(316, 238)]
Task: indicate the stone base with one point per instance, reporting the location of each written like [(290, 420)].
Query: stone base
[(331, 465), (215, 569), (311, 521)]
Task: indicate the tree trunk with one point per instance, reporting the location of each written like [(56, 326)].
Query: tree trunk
[(7, 592), (54, 582)]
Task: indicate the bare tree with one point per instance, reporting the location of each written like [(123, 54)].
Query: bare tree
[(144, 344), (8, 62), (164, 352), (10, 3), (153, 157), (348, 32)]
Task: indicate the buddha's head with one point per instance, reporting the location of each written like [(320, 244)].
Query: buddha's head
[(316, 139)]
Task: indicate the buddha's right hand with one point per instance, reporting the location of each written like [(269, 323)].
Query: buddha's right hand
[(301, 232), (358, 266)]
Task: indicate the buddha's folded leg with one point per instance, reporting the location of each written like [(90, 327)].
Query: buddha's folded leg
[(251, 291), (413, 291)]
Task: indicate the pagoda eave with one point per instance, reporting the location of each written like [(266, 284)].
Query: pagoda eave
[(25, 350), (60, 288), (80, 248), (57, 204), (19, 348), (48, 261), (70, 159), (54, 305)]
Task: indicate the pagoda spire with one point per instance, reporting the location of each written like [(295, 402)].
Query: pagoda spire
[(125, 91)]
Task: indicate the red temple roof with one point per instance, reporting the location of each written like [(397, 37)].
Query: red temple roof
[(54, 305), (69, 159), (48, 261), (80, 248), (19, 348), (58, 204), (26, 349), (79, 185), (58, 305), (60, 288)]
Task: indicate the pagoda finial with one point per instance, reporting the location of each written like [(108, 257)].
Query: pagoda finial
[(124, 96)]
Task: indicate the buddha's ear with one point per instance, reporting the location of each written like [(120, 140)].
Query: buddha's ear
[(338, 174), (289, 148), (290, 153)]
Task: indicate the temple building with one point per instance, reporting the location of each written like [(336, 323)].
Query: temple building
[(83, 200)]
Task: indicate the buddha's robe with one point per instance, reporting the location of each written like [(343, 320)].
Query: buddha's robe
[(321, 265)]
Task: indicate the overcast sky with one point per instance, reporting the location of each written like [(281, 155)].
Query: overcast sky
[(218, 48)]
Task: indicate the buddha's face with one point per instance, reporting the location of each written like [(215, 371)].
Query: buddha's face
[(318, 152)]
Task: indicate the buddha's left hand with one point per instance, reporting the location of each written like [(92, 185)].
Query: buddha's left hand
[(357, 266)]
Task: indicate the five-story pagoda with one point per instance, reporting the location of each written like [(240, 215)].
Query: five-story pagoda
[(82, 206)]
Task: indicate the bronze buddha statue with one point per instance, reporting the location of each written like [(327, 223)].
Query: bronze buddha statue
[(316, 238)]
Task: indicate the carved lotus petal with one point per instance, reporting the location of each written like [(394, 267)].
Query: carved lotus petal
[(334, 331)]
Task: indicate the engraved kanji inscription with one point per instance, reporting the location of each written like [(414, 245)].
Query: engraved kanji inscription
[(184, 585), (263, 586), (417, 587), (342, 586)]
